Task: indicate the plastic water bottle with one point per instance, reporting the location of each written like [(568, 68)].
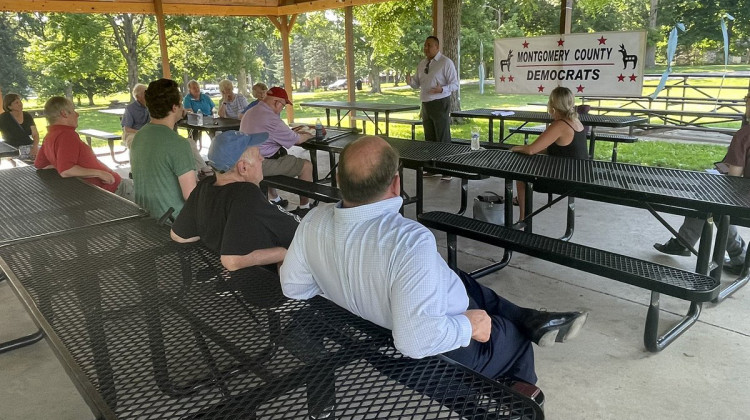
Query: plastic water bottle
[(475, 138), (318, 130), (215, 115), (200, 117)]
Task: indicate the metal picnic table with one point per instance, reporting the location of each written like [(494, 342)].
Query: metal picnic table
[(151, 329), (413, 154), (365, 107), (526, 117), (697, 194), (7, 150)]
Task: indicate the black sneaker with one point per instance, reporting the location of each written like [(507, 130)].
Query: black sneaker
[(283, 202), (672, 247)]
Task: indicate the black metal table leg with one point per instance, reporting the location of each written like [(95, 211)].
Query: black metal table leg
[(21, 341)]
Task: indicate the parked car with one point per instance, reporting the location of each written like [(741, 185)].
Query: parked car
[(338, 85), (212, 90)]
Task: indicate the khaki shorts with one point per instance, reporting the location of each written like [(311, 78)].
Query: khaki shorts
[(286, 165)]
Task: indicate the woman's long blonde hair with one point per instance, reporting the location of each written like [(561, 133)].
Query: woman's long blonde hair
[(562, 101)]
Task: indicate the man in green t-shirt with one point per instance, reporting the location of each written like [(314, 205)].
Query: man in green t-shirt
[(161, 160)]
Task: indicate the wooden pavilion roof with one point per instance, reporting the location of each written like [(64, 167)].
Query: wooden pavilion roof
[(181, 7)]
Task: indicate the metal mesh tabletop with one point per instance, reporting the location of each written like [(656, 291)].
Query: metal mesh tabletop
[(413, 152), (221, 124), (361, 106), (41, 202), (158, 330), (7, 150), (689, 189), (543, 117)]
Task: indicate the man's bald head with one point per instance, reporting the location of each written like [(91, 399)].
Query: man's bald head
[(367, 167)]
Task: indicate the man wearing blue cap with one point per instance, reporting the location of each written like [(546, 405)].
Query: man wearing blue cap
[(228, 211)]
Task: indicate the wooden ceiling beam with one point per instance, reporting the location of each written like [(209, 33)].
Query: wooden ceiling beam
[(188, 7), (318, 5)]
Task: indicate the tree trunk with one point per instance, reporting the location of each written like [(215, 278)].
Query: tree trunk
[(375, 78), (126, 37), (652, 28), (451, 33), (69, 91), (395, 79), (242, 82), (374, 75), (90, 95)]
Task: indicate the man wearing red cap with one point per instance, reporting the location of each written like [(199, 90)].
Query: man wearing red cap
[(266, 118)]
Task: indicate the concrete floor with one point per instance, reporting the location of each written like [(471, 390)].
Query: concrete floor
[(603, 374)]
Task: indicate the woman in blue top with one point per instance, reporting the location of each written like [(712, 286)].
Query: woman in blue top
[(565, 136)]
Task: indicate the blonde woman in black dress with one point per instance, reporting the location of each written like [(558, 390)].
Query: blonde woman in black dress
[(565, 136)]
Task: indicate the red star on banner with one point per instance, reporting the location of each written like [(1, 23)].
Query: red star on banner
[(580, 88), (633, 77), (502, 78), (526, 44), (620, 78), (560, 42), (602, 40), (541, 88), (510, 78)]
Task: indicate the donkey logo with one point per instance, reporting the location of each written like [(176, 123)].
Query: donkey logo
[(506, 62), (627, 58)]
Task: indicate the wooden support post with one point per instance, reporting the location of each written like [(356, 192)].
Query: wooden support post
[(566, 12), (166, 71), (284, 25), (437, 19), (349, 35)]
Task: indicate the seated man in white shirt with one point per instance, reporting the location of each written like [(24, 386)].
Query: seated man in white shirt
[(364, 256)]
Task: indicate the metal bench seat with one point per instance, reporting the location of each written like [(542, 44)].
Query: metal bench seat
[(658, 278), (319, 192), (110, 137)]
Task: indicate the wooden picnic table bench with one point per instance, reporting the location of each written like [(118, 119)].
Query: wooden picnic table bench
[(110, 137), (658, 278)]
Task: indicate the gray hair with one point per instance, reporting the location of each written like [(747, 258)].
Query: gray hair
[(54, 107), (138, 89), (225, 85)]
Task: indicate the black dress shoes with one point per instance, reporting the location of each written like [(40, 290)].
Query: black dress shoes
[(546, 328)]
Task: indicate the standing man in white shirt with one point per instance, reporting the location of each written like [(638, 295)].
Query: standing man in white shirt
[(436, 78)]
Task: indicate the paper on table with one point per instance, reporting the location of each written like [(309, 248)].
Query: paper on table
[(502, 113)]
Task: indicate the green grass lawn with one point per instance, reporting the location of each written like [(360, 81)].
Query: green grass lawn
[(652, 153)]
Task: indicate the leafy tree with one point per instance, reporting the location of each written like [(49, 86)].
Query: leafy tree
[(321, 43), (133, 35), (393, 34), (13, 74), (72, 54)]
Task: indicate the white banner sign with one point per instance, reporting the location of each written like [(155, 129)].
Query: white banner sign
[(601, 64)]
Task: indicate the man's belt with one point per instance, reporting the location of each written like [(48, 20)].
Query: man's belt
[(279, 153)]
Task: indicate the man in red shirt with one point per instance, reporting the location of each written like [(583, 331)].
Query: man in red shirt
[(64, 151)]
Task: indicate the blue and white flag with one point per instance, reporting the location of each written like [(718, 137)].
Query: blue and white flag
[(671, 48)]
